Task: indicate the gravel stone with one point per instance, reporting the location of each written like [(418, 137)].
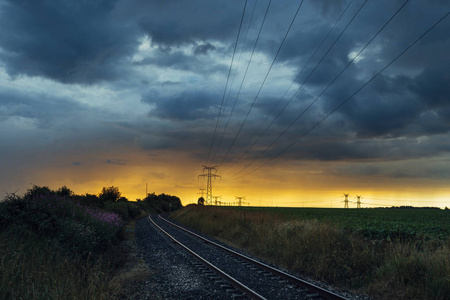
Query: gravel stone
[(174, 274)]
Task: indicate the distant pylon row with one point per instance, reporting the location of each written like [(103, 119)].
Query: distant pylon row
[(358, 202)]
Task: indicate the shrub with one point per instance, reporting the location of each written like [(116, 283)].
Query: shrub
[(77, 229)]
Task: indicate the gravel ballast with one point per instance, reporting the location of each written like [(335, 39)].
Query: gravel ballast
[(175, 275)]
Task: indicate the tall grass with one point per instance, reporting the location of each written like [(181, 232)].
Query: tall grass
[(418, 269), (30, 268)]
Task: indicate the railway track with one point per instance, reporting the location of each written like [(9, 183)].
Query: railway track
[(241, 276)]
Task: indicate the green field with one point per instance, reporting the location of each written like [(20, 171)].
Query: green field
[(373, 222)]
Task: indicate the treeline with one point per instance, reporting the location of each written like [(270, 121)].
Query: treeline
[(161, 203), (110, 199), (410, 207)]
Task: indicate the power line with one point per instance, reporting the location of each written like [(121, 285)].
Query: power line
[(345, 101), (320, 61), (248, 64), (285, 93), (243, 45), (398, 200), (263, 82), (226, 85)]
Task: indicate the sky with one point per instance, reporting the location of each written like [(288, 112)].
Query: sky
[(293, 102)]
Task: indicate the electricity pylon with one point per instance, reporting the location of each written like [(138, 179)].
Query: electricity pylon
[(209, 175), (216, 201), (346, 200), (202, 193), (358, 202), (239, 199)]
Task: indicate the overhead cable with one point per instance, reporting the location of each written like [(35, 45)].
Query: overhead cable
[(226, 85), (263, 82), (285, 93), (236, 70), (343, 102)]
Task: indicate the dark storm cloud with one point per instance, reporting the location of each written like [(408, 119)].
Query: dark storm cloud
[(432, 85), (189, 105), (40, 107), (179, 22), (68, 41), (342, 148), (403, 106), (383, 109), (98, 41)]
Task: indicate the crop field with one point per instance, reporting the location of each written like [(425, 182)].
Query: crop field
[(374, 222)]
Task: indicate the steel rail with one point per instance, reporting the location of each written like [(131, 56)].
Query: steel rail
[(293, 279), (235, 283)]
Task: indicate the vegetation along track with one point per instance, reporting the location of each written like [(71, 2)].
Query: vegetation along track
[(254, 279)]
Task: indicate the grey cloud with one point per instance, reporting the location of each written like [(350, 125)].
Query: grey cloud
[(432, 85), (180, 22), (204, 49), (42, 108), (90, 42), (70, 41), (174, 59), (189, 105)]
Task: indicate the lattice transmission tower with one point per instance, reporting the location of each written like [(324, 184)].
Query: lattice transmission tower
[(346, 200), (216, 201), (358, 201), (239, 199), (209, 176)]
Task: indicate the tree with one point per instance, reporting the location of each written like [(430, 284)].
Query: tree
[(111, 194), (38, 191), (163, 202), (201, 201), (64, 191)]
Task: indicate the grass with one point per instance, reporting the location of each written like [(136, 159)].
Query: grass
[(387, 263), (31, 269)]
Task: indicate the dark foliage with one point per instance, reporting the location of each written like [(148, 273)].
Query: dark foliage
[(110, 194), (163, 203)]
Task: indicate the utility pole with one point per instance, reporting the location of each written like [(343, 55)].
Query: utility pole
[(239, 199), (346, 200), (209, 175), (358, 202)]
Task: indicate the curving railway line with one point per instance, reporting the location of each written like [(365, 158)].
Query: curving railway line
[(240, 276)]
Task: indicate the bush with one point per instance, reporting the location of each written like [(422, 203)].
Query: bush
[(77, 229), (120, 208), (89, 200)]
